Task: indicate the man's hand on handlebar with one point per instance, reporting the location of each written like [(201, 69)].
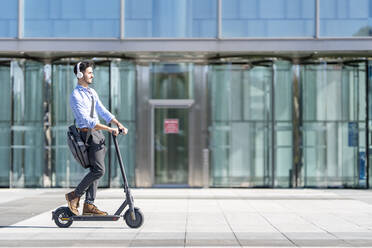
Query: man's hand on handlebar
[(123, 129)]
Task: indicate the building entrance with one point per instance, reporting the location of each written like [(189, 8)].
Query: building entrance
[(170, 144)]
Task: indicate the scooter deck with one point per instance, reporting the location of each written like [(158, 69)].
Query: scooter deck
[(93, 218)]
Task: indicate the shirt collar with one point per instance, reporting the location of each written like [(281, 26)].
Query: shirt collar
[(87, 89)]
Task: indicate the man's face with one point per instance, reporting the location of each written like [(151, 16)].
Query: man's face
[(88, 75)]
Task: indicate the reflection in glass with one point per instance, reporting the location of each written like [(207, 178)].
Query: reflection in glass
[(170, 18), (346, 18), (171, 146), (123, 106), (283, 123), (172, 81), (333, 104), (5, 123), (268, 18), (28, 135), (370, 119), (70, 18), (8, 18), (240, 138)]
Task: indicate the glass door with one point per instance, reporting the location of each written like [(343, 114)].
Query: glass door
[(170, 146), (5, 122), (333, 124), (240, 99)]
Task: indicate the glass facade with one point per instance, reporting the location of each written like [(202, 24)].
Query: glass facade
[(8, 18), (70, 18), (283, 129), (123, 106), (6, 123), (334, 124), (250, 142), (240, 140), (170, 18), (250, 119), (27, 135), (171, 151), (369, 120), (268, 18), (275, 116), (185, 19), (172, 81), (24, 148), (345, 18)]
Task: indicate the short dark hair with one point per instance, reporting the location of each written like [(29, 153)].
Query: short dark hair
[(83, 66)]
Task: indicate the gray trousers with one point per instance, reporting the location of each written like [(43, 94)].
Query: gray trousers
[(96, 153)]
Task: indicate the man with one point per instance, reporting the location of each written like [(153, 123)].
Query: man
[(85, 105)]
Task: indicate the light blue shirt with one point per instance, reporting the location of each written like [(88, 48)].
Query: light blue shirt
[(81, 103)]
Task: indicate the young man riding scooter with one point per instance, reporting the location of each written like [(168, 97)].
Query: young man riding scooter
[(86, 106)]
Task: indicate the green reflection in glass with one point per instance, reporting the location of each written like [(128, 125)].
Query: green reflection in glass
[(171, 146), (172, 81), (5, 123)]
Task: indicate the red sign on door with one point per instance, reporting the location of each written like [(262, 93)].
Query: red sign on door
[(170, 126)]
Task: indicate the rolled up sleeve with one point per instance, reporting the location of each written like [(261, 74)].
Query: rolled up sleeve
[(103, 112), (81, 114)]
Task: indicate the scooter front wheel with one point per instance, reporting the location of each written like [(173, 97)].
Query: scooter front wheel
[(62, 217), (134, 223)]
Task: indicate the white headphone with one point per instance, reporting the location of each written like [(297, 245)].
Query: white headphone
[(79, 74)]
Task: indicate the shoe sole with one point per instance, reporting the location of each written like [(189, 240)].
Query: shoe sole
[(95, 214)]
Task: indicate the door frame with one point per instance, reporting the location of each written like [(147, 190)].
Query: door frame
[(175, 104)]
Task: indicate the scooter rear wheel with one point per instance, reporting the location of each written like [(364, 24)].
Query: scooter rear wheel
[(134, 223), (59, 214)]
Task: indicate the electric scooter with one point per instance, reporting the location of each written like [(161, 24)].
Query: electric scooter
[(63, 217)]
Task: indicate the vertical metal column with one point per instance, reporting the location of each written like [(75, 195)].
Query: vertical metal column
[(295, 179), (47, 123), (20, 18), (367, 122), (317, 19), (109, 153), (122, 16), (219, 19), (273, 140), (11, 169)]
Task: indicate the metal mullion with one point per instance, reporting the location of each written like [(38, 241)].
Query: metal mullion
[(273, 140), (219, 19), (20, 18), (317, 18), (122, 18), (367, 124), (110, 138)]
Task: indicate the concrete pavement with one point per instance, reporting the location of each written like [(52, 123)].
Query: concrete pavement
[(196, 218)]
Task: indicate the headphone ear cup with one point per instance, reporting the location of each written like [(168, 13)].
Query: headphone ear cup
[(79, 75)]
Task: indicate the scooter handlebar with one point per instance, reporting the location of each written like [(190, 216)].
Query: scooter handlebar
[(121, 132)]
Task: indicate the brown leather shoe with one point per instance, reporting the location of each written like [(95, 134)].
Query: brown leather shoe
[(73, 202), (91, 209)]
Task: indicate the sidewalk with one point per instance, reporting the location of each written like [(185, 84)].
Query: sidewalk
[(196, 218)]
